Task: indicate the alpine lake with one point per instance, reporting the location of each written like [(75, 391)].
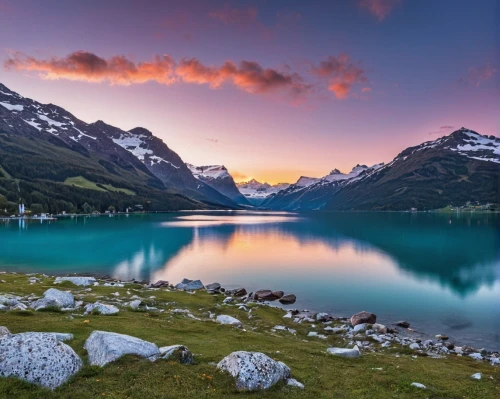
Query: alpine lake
[(440, 272)]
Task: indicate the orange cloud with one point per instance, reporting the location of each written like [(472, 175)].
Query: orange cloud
[(248, 76), (341, 74), (86, 66), (240, 16), (379, 8)]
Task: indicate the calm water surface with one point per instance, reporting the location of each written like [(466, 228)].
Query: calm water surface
[(440, 272)]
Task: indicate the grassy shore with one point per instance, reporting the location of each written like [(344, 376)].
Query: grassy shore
[(323, 375)]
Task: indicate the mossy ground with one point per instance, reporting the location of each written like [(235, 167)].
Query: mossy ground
[(324, 376)]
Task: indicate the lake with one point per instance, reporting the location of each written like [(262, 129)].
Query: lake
[(440, 272)]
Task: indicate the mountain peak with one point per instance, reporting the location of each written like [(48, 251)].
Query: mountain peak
[(335, 172), (141, 131)]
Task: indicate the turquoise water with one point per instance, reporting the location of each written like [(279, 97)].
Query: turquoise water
[(439, 272)]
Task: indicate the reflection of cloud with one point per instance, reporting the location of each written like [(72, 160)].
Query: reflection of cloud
[(142, 261), (210, 221)]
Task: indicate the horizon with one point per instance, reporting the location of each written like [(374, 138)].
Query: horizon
[(348, 83)]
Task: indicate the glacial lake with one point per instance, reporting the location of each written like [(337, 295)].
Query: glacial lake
[(440, 272)]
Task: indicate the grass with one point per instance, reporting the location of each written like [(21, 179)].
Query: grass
[(82, 182), (324, 376)]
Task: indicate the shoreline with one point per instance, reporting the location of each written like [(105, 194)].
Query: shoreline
[(406, 336)]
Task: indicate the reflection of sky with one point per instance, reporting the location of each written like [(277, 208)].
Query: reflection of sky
[(340, 275)]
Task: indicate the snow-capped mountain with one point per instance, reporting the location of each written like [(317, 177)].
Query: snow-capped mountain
[(163, 162), (50, 157), (257, 192), (461, 167), (135, 151), (312, 193), (218, 177)]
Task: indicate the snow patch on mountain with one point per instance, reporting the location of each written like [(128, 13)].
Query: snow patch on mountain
[(11, 107), (209, 171), (254, 189)]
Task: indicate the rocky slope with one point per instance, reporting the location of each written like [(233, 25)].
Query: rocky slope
[(218, 177)]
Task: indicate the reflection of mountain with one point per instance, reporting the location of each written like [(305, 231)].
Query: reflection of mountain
[(462, 254)]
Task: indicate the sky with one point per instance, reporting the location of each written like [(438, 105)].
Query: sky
[(272, 89)]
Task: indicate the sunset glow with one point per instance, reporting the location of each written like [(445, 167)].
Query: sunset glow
[(272, 90)]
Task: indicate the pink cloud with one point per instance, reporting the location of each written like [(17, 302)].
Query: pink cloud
[(379, 8), (366, 90), (341, 74), (86, 66), (477, 75)]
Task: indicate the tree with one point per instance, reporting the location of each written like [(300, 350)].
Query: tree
[(111, 209), (87, 208), (36, 209)]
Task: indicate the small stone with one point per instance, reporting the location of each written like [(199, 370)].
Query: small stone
[(179, 353), (345, 352), (379, 328), (101, 308), (225, 319), (442, 337), (403, 324), (476, 376), (190, 285), (4, 331), (229, 299), (213, 287), (359, 327), (135, 304), (294, 383), (414, 346), (418, 385)]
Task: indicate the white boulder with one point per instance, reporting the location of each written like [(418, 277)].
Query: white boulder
[(254, 370), (57, 298), (38, 358), (345, 352), (101, 308), (104, 347), (225, 319)]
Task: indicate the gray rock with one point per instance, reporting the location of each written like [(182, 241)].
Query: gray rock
[(379, 328), (179, 353), (403, 324), (359, 327), (38, 358), (345, 352), (229, 299), (213, 287), (225, 319), (288, 299), (294, 383), (254, 370), (101, 308), (104, 347), (414, 346), (59, 336), (77, 280), (476, 376), (363, 317), (135, 304), (189, 285), (55, 298), (4, 331)]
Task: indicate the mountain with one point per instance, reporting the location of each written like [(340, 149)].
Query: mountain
[(51, 158), (217, 177), (310, 193), (461, 167), (163, 163), (256, 192)]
